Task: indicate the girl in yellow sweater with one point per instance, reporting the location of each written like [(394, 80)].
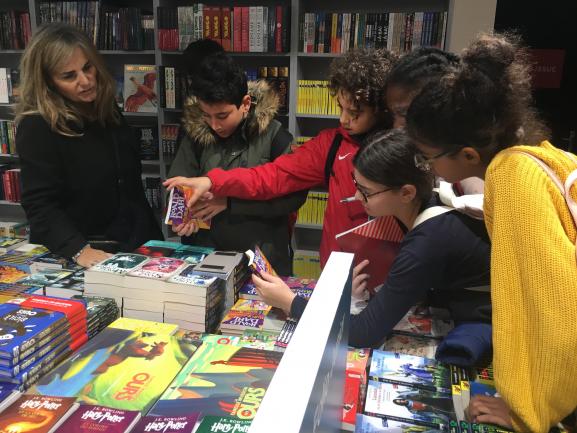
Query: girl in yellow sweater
[(470, 123)]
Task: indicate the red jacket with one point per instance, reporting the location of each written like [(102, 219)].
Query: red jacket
[(303, 169)]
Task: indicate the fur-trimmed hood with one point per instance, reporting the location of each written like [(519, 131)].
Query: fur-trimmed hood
[(264, 107)]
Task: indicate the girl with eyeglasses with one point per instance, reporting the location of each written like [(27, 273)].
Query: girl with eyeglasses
[(442, 255), (474, 122)]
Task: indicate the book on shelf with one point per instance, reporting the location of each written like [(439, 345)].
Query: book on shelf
[(378, 241), (119, 368), (178, 213), (147, 137), (168, 424), (90, 418), (140, 89), (15, 29), (222, 380), (36, 414)]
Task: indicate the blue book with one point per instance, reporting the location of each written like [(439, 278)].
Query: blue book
[(21, 328)]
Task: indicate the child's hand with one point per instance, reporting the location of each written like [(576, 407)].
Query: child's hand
[(186, 229), (206, 209), (90, 256), (489, 410), (273, 291), (199, 185), (360, 290)]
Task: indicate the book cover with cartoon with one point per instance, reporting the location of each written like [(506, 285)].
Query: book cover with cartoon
[(222, 380), (191, 253), (120, 369)]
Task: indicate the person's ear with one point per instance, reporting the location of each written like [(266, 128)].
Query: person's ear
[(470, 156), (407, 193), (245, 104)]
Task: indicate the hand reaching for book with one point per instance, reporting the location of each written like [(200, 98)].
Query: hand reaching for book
[(360, 290), (199, 185), (273, 291), (90, 256), (489, 410), (205, 209)]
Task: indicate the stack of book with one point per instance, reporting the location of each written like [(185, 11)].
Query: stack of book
[(161, 289), (67, 287), (100, 313), (9, 243)]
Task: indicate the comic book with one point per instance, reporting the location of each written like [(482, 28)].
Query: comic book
[(410, 370), (168, 424), (119, 369), (178, 213), (99, 419), (144, 326), (221, 380)]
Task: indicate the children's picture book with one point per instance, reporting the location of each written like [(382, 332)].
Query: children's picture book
[(222, 380), (140, 89), (168, 424), (404, 403), (178, 213), (119, 369), (258, 262), (89, 418), (22, 328), (410, 370), (378, 241), (144, 326), (157, 268), (36, 414), (211, 424)]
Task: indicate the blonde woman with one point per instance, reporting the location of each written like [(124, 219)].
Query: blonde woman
[(81, 175)]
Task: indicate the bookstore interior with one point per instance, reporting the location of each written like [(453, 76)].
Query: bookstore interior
[(174, 337)]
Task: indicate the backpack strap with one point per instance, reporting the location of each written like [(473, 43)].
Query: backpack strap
[(281, 140), (564, 187), (331, 157), (431, 212)]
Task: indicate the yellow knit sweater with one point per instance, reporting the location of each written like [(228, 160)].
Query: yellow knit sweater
[(534, 287)]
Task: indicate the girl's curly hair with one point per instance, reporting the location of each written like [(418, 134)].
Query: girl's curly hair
[(362, 73)]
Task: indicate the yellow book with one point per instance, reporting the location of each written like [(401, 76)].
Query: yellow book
[(144, 326)]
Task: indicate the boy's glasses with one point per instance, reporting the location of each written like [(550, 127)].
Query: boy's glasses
[(425, 164), (364, 194)]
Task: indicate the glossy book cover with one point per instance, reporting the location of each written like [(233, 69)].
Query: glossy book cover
[(168, 424), (99, 419), (189, 276), (120, 263), (120, 369), (34, 414), (177, 212), (220, 379), (158, 268)]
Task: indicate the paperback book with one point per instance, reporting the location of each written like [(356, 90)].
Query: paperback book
[(178, 213), (212, 424), (191, 253), (168, 424), (99, 419), (119, 369), (157, 268), (258, 262), (222, 380), (156, 248)]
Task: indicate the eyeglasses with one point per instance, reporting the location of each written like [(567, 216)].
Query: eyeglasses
[(364, 194), (425, 164)]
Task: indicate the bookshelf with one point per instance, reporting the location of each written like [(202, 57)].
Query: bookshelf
[(465, 18)]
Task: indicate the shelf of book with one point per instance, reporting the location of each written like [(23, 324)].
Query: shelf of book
[(317, 116), (2, 52), (325, 55), (137, 114), (127, 52)]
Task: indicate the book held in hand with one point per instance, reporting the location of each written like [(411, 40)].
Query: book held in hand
[(178, 213), (258, 262), (378, 241)]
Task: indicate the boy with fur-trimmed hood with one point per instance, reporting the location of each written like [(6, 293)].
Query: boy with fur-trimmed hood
[(228, 124)]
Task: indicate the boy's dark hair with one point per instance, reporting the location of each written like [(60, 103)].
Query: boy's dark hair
[(362, 73), (417, 68), (486, 103), (388, 158), (194, 54), (219, 79)]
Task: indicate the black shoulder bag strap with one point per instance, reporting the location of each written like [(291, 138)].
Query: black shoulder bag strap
[(280, 141), (331, 157)]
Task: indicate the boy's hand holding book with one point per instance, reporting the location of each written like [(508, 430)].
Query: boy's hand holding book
[(198, 185), (273, 290)]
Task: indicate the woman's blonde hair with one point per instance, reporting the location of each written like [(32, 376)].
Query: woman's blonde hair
[(48, 50)]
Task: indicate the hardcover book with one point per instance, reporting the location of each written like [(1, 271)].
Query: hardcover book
[(140, 88), (36, 414), (377, 240), (178, 213), (99, 419), (167, 424), (221, 380), (119, 369)]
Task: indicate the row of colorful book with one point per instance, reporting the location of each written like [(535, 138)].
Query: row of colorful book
[(314, 97), (15, 30), (7, 131), (238, 28)]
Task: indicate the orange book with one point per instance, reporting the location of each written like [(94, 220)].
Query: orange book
[(36, 414)]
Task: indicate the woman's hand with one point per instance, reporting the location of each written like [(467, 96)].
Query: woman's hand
[(489, 410), (186, 229), (90, 256), (360, 290), (199, 185), (274, 291)]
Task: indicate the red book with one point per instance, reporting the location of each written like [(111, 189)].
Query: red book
[(206, 23), (74, 310), (244, 29), (236, 29), (38, 413), (216, 24), (278, 30), (226, 29), (378, 241)]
